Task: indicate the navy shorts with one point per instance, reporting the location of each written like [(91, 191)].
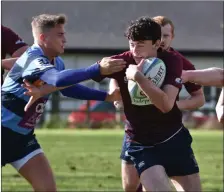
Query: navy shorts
[(175, 155), (15, 146)]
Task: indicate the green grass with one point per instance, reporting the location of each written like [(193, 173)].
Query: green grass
[(89, 160)]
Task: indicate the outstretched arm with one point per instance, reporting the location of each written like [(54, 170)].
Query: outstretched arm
[(70, 76), (207, 77), (85, 93), (46, 72), (76, 91)]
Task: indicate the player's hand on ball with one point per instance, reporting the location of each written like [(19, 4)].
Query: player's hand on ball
[(114, 95), (109, 65), (133, 71)]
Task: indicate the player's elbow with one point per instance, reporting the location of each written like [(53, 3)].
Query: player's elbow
[(167, 107), (51, 77), (165, 110), (168, 104), (201, 100), (57, 82), (220, 113), (197, 99)]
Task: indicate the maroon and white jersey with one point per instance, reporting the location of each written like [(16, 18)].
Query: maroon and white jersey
[(187, 65), (10, 43), (147, 124)]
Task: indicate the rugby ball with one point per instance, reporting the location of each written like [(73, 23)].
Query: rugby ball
[(153, 68)]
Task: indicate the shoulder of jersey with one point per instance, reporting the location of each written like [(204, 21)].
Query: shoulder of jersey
[(172, 50), (34, 52), (170, 54), (127, 56), (7, 32), (123, 55), (5, 29), (167, 57)]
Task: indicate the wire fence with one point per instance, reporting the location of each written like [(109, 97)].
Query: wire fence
[(66, 112)]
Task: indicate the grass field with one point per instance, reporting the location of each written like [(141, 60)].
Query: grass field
[(89, 160)]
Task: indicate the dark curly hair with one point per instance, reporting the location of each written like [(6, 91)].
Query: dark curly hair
[(144, 28)]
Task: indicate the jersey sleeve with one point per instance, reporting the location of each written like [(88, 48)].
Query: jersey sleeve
[(102, 77), (35, 69), (14, 42), (84, 93), (41, 69), (190, 87), (174, 67), (114, 75)]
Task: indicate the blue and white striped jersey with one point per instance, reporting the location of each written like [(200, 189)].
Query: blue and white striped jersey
[(31, 65)]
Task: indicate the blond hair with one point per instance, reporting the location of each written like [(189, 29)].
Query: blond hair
[(44, 22), (162, 20)]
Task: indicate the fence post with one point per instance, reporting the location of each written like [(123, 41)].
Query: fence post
[(55, 100), (88, 114)]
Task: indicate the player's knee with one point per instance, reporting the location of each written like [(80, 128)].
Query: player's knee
[(128, 186), (130, 178), (155, 179), (193, 183), (130, 183), (188, 183)]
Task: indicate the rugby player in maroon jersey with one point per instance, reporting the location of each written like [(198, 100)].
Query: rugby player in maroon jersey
[(197, 98), (181, 178)]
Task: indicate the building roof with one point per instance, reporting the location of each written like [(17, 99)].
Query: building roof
[(101, 24)]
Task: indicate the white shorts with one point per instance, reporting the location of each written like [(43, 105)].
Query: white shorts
[(19, 163)]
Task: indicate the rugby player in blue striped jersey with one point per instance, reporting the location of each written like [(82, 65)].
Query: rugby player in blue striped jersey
[(40, 65)]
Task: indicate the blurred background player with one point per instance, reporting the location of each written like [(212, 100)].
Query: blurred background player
[(197, 98), (12, 45), (40, 64), (208, 77), (130, 179)]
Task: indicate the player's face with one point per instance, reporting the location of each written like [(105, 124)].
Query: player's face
[(55, 40), (167, 36), (142, 49)]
